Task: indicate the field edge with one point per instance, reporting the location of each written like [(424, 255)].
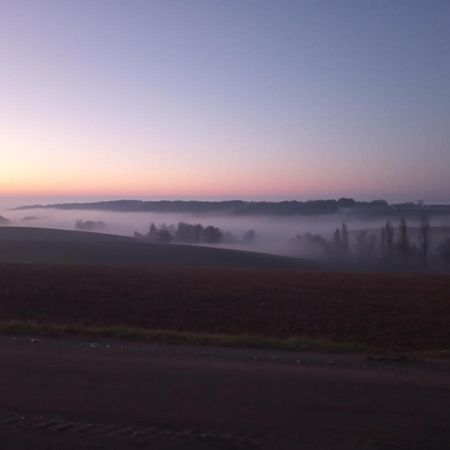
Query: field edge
[(298, 343)]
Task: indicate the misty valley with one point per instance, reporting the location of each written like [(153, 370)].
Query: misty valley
[(340, 234)]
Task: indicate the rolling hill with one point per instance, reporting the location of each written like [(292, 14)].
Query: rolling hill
[(41, 245)]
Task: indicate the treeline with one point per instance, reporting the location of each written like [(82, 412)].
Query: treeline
[(391, 245), (90, 225), (236, 207), (187, 233)]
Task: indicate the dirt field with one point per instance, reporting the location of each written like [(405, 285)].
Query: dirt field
[(390, 312)]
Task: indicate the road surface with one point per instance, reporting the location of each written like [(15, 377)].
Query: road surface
[(64, 393)]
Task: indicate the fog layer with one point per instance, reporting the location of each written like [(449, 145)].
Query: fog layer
[(274, 234)]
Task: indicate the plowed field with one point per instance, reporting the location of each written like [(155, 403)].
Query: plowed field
[(393, 312)]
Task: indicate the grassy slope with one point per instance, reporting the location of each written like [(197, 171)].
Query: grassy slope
[(38, 245)]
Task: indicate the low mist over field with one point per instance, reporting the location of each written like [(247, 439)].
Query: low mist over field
[(292, 234), (272, 232)]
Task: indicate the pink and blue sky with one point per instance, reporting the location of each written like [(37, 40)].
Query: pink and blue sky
[(225, 98)]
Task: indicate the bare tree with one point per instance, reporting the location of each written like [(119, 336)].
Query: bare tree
[(389, 236), (424, 239), (387, 240), (337, 240), (345, 243), (403, 243)]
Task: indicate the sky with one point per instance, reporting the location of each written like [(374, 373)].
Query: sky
[(225, 99)]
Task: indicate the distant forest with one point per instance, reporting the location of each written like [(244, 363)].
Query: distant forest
[(390, 247), (188, 233), (240, 207)]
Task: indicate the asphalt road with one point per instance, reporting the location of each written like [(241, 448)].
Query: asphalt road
[(66, 393)]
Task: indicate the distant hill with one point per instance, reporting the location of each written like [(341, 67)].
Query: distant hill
[(239, 207), (40, 245)]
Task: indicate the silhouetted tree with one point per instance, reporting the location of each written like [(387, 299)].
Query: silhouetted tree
[(197, 231), (389, 237), (212, 235), (383, 242), (337, 240), (152, 232), (90, 225), (345, 242), (387, 240), (185, 233), (164, 235), (341, 241), (424, 239), (404, 246)]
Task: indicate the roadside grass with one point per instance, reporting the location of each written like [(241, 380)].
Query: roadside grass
[(299, 343), (183, 337)]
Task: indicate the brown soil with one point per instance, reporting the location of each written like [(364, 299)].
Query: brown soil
[(391, 312)]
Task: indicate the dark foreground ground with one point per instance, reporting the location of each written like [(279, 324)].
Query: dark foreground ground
[(387, 312), (72, 393)]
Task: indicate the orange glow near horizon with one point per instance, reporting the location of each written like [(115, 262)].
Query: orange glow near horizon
[(43, 162), (176, 188), (79, 178), (163, 187), (159, 178)]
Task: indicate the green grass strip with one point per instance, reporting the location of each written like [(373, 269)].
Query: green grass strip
[(182, 337)]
